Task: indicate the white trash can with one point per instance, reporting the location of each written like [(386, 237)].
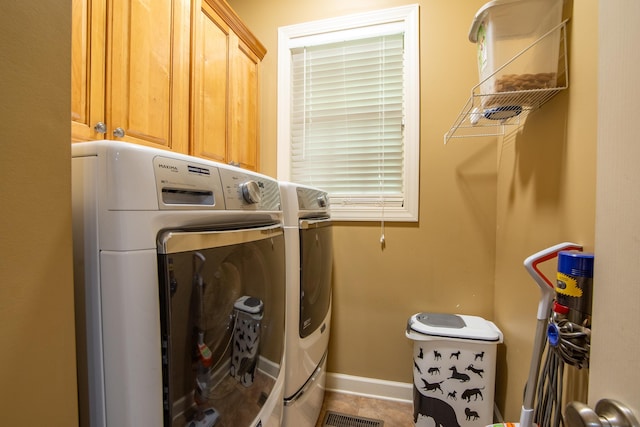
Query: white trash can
[(454, 365)]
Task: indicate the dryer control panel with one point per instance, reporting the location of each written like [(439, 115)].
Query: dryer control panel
[(312, 199)]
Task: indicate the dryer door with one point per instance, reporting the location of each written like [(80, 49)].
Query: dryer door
[(222, 297), (316, 260)]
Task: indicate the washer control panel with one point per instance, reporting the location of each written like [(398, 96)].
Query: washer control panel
[(249, 191), (187, 185), (184, 184)]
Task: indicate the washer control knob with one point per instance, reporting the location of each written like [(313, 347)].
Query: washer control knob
[(250, 192), (322, 201)]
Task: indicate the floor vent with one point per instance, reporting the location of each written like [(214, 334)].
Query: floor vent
[(337, 419)]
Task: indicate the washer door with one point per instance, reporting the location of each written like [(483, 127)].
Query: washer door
[(222, 296), (316, 261)]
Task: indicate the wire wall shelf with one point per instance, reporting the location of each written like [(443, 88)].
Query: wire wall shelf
[(506, 110)]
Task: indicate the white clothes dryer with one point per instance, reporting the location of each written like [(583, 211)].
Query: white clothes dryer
[(180, 290), (309, 254)]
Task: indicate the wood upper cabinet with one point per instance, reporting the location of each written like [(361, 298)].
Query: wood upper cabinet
[(226, 63), (243, 94), (176, 74), (88, 68), (136, 81), (210, 90)]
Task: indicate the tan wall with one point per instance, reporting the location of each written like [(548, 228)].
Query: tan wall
[(443, 263), (541, 192), (546, 195), (615, 351), (483, 207), (37, 354)]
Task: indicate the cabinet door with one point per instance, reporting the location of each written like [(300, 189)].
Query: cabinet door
[(148, 73), (87, 68), (243, 105), (210, 94)]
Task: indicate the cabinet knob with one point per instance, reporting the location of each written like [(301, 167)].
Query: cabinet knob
[(608, 413), (100, 127), (118, 132)]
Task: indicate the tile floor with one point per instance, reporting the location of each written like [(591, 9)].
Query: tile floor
[(394, 414)]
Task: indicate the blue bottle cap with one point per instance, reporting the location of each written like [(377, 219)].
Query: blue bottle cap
[(574, 263)]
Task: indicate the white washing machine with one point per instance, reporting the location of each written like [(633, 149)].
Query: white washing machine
[(180, 290), (309, 253)]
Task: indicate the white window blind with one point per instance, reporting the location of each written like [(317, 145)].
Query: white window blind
[(349, 111), (347, 119)]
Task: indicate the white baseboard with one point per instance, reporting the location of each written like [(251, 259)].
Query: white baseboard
[(369, 387), (379, 389)]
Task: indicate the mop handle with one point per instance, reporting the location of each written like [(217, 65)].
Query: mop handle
[(546, 287), (544, 307)]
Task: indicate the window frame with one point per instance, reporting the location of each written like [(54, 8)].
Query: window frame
[(290, 36)]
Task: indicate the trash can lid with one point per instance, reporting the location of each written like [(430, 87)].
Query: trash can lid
[(454, 326), (249, 304)]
